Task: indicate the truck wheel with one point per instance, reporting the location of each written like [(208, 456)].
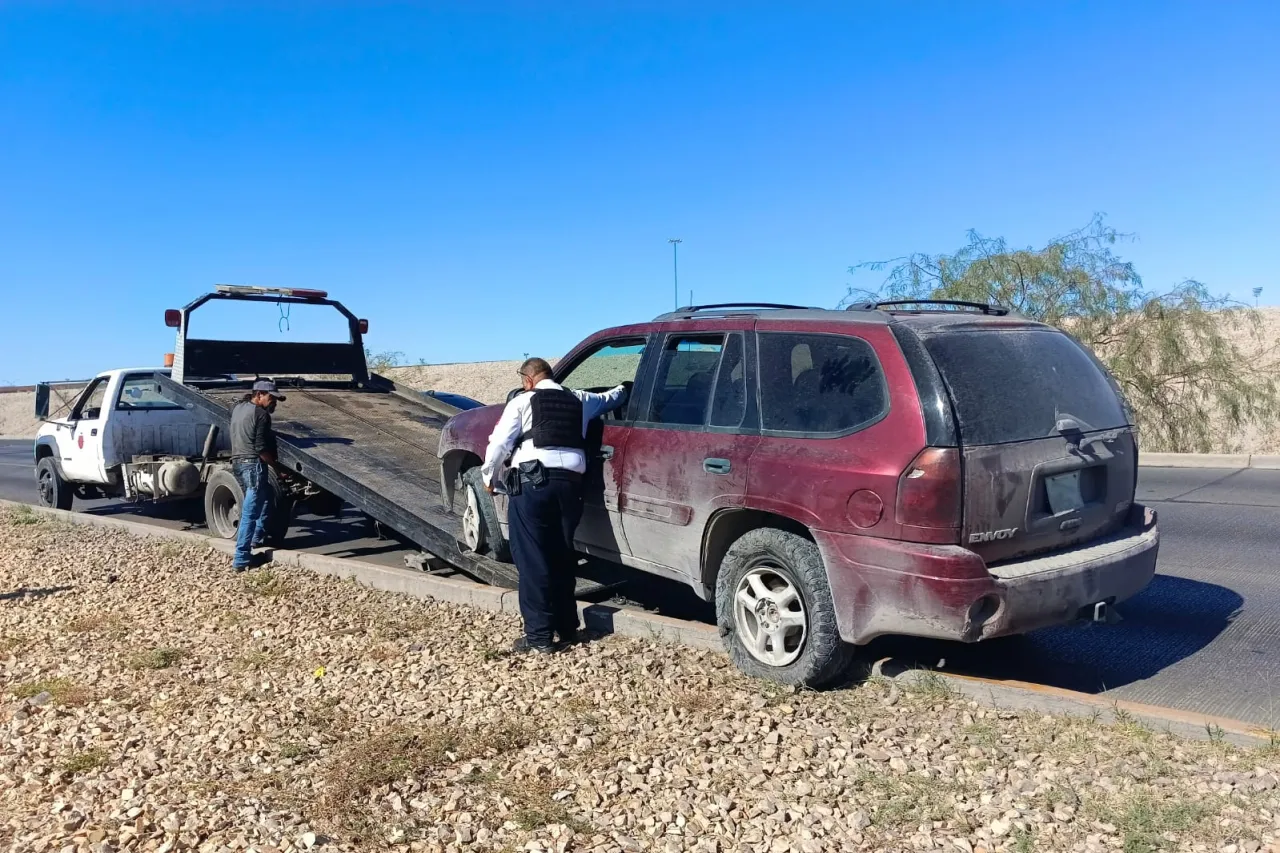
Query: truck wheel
[(222, 497), (54, 491), (775, 612), (481, 531)]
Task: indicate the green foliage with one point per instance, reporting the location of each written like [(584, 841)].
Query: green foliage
[(1192, 365), (379, 362)]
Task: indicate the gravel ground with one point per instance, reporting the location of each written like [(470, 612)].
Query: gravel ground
[(154, 700)]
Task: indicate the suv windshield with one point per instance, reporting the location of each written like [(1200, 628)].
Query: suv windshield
[(1015, 385)]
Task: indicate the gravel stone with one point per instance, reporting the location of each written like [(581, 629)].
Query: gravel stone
[(304, 713)]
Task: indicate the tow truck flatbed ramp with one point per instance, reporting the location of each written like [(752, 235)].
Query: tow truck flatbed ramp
[(374, 448), (354, 434)]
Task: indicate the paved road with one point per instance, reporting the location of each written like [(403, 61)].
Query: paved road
[(1204, 637)]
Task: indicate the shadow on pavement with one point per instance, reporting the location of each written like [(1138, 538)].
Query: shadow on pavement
[(1166, 623), (189, 512)]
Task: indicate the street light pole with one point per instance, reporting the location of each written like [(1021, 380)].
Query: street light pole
[(675, 269), (1257, 291)]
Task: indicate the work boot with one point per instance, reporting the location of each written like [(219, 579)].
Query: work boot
[(523, 645), (255, 561), (569, 638)]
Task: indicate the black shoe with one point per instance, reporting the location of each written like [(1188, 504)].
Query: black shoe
[(255, 561), (524, 644), (569, 638)]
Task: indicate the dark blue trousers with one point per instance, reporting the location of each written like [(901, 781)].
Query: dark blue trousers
[(542, 521)]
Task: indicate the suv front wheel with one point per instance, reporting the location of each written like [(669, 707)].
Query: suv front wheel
[(775, 611)]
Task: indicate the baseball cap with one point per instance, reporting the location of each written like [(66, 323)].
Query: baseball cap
[(268, 387)]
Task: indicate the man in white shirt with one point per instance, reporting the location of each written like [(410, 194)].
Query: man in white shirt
[(546, 426)]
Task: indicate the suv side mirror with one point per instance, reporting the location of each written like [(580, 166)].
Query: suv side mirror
[(513, 393)]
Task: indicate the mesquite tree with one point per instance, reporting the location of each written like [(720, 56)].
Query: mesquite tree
[(1193, 365)]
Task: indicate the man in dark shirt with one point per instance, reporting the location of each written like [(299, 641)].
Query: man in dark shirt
[(253, 449)]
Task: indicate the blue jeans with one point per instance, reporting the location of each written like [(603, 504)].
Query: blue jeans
[(254, 510)]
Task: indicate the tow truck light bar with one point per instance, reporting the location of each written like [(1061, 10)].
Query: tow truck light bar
[(254, 290)]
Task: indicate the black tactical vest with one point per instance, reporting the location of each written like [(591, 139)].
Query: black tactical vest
[(557, 420)]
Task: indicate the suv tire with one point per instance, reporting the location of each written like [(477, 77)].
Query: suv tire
[(772, 591), (54, 492), (223, 498), (480, 528)]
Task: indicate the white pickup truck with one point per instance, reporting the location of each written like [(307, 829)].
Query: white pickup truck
[(122, 438)]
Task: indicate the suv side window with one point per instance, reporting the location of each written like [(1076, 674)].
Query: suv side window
[(729, 402), (819, 384), (142, 391), (686, 375), (606, 367), (90, 407)]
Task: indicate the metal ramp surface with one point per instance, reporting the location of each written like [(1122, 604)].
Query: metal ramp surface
[(375, 448)]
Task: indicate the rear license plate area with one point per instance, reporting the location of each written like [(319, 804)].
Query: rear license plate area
[(1064, 492), (1070, 491)]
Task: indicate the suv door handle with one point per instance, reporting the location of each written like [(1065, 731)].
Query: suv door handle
[(606, 452), (716, 466)]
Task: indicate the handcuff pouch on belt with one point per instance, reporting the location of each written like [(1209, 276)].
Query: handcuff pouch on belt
[(532, 472)]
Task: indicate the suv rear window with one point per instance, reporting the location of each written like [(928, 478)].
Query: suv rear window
[(819, 384), (1014, 385)]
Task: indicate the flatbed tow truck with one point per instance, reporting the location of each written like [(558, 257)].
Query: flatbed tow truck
[(354, 434)]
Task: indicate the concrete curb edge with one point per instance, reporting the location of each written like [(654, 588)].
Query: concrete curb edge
[(632, 622), (1023, 696), (605, 618), (1209, 460)]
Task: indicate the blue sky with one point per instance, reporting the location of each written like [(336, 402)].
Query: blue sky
[(485, 180)]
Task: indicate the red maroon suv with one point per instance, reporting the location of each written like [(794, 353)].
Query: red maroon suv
[(931, 469)]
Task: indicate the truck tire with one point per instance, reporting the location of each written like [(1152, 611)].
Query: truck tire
[(222, 498), (775, 612), (222, 501), (54, 491), (481, 531)]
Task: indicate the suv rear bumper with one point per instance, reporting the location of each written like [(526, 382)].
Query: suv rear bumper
[(946, 591)]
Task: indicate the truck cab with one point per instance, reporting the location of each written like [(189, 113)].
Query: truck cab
[(115, 439)]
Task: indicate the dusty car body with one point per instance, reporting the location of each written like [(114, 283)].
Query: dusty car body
[(828, 477)]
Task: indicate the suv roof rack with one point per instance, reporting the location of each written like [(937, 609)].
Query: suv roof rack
[(942, 305), (719, 306)]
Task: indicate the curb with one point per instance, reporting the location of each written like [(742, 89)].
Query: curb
[(605, 618), (1209, 460), (631, 622), (1024, 696)]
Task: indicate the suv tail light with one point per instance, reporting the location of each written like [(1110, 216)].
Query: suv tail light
[(929, 496)]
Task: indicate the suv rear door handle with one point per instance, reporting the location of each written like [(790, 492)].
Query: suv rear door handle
[(716, 466), (606, 452)]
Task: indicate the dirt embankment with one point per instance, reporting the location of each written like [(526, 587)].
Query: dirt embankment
[(490, 381), (17, 414), (486, 381), (151, 700)]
